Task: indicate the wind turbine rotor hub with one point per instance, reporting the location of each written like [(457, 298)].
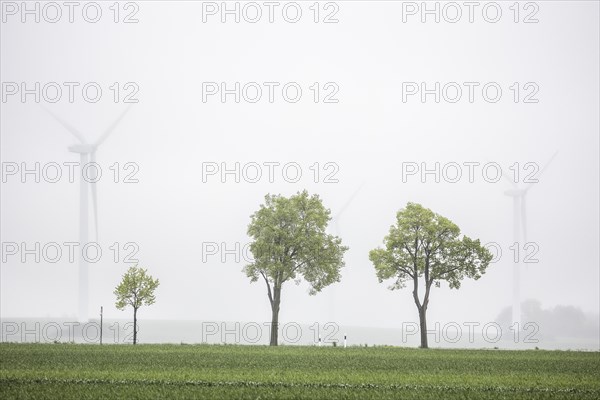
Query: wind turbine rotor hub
[(82, 148), (514, 192)]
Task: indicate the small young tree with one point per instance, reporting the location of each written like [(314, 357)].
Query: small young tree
[(424, 246), (136, 289), (290, 243)]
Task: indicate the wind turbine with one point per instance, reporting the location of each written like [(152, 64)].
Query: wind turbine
[(87, 154), (519, 196), (337, 231)]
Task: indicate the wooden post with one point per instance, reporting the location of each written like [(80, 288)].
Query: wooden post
[(101, 325)]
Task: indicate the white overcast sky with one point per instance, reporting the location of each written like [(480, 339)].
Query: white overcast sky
[(369, 133)]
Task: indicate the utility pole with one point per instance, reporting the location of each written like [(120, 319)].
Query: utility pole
[(101, 325)]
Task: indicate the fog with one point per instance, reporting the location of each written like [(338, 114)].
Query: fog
[(183, 222)]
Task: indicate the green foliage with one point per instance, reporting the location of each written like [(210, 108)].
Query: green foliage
[(426, 245), (290, 242), (251, 372), (136, 289)]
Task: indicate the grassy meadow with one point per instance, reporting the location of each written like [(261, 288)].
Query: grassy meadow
[(77, 371)]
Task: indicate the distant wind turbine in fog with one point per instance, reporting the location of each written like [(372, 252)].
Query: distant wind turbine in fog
[(519, 196), (87, 154), (335, 222)]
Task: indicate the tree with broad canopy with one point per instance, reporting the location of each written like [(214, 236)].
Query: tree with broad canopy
[(425, 246), (290, 243)]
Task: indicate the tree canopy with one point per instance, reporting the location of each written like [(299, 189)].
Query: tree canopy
[(426, 246), (136, 289), (290, 242)]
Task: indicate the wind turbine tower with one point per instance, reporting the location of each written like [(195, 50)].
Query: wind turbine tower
[(519, 196)]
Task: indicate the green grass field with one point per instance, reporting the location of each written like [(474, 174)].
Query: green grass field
[(251, 372)]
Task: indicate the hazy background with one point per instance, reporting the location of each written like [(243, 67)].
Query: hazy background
[(369, 134)]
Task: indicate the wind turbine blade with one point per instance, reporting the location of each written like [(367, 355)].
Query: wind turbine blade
[(112, 127), (548, 163), (542, 171), (66, 125), (336, 218), (505, 175), (349, 201), (94, 195)]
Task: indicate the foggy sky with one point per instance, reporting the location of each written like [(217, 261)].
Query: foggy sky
[(369, 133)]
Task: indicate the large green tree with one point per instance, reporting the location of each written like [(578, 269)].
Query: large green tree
[(423, 249), (136, 289), (290, 243)]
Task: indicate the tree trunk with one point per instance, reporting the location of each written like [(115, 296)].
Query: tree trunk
[(275, 315), (422, 309), (134, 325), (423, 322)]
